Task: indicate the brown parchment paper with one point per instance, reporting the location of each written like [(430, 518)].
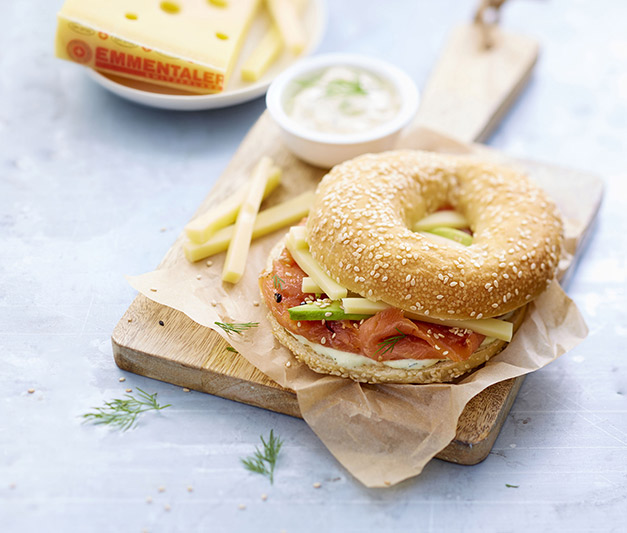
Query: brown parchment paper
[(382, 434)]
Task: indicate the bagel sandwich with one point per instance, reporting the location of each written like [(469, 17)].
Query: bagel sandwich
[(412, 267)]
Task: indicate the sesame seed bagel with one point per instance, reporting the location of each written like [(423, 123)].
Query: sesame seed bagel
[(359, 232), (375, 371)]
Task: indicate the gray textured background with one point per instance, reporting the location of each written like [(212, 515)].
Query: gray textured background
[(87, 182)]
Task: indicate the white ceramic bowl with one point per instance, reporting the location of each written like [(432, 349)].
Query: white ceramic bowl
[(327, 149)]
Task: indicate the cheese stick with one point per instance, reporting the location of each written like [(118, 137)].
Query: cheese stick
[(236, 255), (267, 221), (286, 18), (267, 51), (204, 226), (492, 327), (305, 260)]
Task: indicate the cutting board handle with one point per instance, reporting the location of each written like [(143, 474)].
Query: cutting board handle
[(474, 83)]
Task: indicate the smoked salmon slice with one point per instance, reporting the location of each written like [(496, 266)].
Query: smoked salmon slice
[(386, 336)]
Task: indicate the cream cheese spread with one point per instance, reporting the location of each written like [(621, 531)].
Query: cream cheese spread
[(352, 360), (342, 100)]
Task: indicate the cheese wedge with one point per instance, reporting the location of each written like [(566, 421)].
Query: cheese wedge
[(237, 254), (185, 44), (204, 226), (267, 221)]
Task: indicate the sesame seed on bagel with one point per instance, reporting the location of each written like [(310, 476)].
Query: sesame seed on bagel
[(359, 232)]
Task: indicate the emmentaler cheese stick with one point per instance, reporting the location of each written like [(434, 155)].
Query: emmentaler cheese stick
[(236, 255), (305, 261), (267, 221), (288, 22), (266, 51), (204, 226)]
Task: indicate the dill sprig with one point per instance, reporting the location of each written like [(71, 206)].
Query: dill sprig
[(345, 88), (277, 282), (236, 328), (263, 462), (122, 414), (387, 345), (231, 349)]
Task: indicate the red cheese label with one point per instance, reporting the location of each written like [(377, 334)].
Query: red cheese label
[(110, 54)]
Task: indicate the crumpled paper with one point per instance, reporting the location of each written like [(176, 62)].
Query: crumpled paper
[(382, 434)]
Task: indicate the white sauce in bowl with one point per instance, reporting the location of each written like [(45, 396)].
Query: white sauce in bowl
[(341, 100)]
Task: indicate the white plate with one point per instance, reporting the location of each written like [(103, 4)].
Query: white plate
[(237, 91)]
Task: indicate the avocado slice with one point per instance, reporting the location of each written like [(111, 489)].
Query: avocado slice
[(314, 312), (454, 234)]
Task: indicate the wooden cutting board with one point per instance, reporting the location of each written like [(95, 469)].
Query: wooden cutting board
[(193, 356)]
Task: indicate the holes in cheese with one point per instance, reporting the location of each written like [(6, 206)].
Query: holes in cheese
[(286, 18), (491, 327), (170, 7), (267, 221), (305, 260), (204, 226), (237, 253)]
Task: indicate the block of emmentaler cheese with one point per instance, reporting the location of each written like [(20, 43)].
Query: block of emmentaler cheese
[(185, 44)]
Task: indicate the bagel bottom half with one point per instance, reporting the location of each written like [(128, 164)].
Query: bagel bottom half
[(441, 372)]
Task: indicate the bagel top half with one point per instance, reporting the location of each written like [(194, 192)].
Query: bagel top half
[(359, 232)]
